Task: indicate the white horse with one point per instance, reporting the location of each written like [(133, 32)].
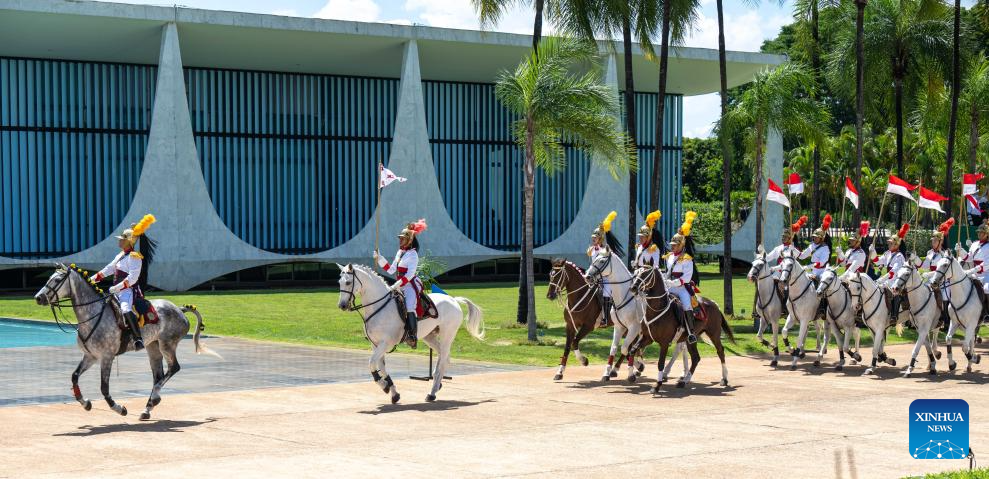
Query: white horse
[(924, 312), (868, 299), (768, 303), (964, 307), (802, 305), (384, 328), (840, 315), (627, 313)]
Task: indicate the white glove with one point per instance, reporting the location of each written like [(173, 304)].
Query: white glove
[(841, 256), (972, 272), (397, 285), (872, 251), (958, 249), (671, 283), (914, 260), (379, 259), (117, 288)]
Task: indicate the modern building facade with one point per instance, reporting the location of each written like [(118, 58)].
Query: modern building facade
[(254, 139)]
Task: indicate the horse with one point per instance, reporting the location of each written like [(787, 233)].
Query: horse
[(98, 334), (662, 325), (802, 305), (923, 311), (580, 311), (384, 327), (839, 315), (869, 301), (768, 304), (964, 306), (627, 310)]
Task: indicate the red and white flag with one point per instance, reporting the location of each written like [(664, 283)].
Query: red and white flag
[(900, 187), (968, 182), (387, 177), (795, 184), (851, 193), (930, 199), (775, 194), (973, 205)]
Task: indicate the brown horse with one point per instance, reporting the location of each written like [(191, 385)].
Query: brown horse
[(663, 325), (581, 311)]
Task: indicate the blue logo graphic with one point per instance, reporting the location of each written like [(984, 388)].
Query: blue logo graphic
[(939, 429)]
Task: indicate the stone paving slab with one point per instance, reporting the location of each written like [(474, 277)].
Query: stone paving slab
[(770, 423)]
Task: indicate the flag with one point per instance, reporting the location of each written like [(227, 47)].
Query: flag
[(968, 182), (900, 187), (851, 193), (930, 199), (775, 194), (973, 205), (795, 183), (387, 177), (436, 289)]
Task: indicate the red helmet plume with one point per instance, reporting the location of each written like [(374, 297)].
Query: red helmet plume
[(827, 222), (795, 227), (903, 230), (864, 229), (418, 226), (946, 226)]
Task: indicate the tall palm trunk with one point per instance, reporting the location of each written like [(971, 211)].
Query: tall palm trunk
[(526, 291), (759, 135), (630, 126), (664, 57), (725, 166), (528, 194), (898, 99), (953, 122), (859, 98), (815, 59), (973, 135)]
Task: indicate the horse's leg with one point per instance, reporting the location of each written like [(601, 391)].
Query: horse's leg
[(106, 365), (857, 356), (798, 352), (971, 333), (566, 352), (949, 337), (921, 340), (379, 374), (878, 336), (776, 342), (441, 344), (84, 364), (617, 334), (787, 325), (660, 374), (695, 357), (839, 341), (581, 334), (157, 374), (720, 348)]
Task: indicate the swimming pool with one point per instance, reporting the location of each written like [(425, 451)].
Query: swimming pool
[(24, 334)]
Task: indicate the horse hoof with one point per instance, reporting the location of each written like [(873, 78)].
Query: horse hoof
[(952, 365), (145, 416), (631, 378), (932, 372), (606, 378), (655, 389), (613, 374), (123, 410), (155, 401), (681, 384), (764, 342), (968, 369), (88, 405), (978, 339), (867, 371), (773, 363), (430, 397), (906, 374), (891, 361), (857, 356), (977, 359), (583, 361), (640, 368), (793, 367), (395, 398), (724, 382), (558, 377), (839, 367), (802, 354), (817, 364), (937, 355)]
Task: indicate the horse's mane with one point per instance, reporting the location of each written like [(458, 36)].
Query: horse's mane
[(369, 270), (86, 279), (571, 263)]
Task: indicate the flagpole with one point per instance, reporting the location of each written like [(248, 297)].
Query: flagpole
[(843, 201), (916, 214), (377, 209), (882, 205)]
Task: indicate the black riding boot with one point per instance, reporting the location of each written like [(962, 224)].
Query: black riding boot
[(607, 305), (894, 314), (135, 330), (689, 318), (822, 308), (411, 328)]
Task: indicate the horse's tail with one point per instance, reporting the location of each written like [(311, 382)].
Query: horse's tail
[(475, 317), (200, 347)]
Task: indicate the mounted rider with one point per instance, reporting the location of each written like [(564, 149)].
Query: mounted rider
[(786, 247), (681, 276), (892, 259), (130, 273), (929, 264), (604, 243), (819, 252), (651, 247), (404, 267), (855, 258), (978, 255)]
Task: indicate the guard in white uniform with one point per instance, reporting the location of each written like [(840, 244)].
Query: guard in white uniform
[(129, 271), (929, 264), (604, 243), (855, 258), (681, 276), (404, 268), (892, 259), (651, 247), (786, 248), (819, 251), (978, 255)]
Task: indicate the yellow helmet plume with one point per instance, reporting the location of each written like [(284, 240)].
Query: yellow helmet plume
[(688, 223), (606, 224), (653, 218), (143, 225)]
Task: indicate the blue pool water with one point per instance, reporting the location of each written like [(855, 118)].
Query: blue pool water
[(19, 334)]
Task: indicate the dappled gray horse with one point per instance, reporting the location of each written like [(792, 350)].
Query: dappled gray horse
[(99, 335)]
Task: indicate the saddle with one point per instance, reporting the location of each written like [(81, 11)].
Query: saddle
[(424, 309), (982, 298)]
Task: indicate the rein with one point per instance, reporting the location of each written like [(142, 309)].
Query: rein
[(758, 295), (60, 303), (792, 279), (353, 306), (845, 303)]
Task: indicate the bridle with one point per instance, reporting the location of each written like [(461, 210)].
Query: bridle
[(860, 301), (826, 283), (597, 274), (945, 277), (901, 282), (761, 262), (60, 303), (352, 301), (790, 278)]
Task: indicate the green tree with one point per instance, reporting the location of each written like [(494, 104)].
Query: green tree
[(974, 96), (779, 99), (554, 103)]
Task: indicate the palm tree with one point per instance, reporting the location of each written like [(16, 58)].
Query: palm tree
[(859, 96), (553, 104), (956, 82), (607, 18), (976, 91), (490, 11), (677, 18), (778, 99), (725, 165)]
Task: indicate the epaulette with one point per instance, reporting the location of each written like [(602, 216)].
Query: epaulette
[(665, 255), (589, 250), (686, 257), (653, 248), (135, 254)]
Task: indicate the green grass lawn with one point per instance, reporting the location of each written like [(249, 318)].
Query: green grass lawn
[(310, 316), (980, 473)]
